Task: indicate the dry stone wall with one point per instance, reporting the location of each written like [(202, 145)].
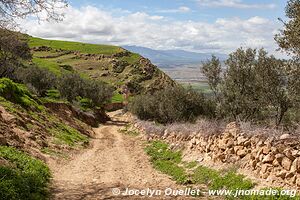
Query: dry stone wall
[(275, 159)]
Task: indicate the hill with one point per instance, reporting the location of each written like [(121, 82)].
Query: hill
[(171, 58), (111, 64)]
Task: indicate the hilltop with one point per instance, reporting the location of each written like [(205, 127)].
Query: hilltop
[(111, 64)]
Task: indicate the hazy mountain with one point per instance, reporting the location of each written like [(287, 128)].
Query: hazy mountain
[(172, 58)]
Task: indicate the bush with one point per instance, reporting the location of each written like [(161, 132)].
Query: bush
[(97, 91), (13, 51), (24, 178), (171, 105), (40, 79), (72, 86), (53, 94)]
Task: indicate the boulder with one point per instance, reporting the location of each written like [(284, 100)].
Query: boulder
[(286, 163), (285, 136), (241, 140), (268, 158), (281, 174), (241, 153), (296, 165)]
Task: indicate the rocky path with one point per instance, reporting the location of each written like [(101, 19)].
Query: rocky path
[(115, 160)]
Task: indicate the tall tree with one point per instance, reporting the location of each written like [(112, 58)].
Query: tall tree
[(289, 38)]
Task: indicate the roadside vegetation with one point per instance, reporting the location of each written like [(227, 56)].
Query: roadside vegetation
[(191, 174), (22, 177), (251, 86), (172, 105)]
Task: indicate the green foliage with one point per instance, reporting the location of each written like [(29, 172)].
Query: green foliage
[(117, 98), (25, 178), (85, 103), (171, 105), (191, 165), (13, 51), (232, 181), (17, 93), (167, 161), (39, 79), (68, 135), (288, 37), (212, 70), (253, 86), (75, 46), (72, 86), (49, 65), (53, 94)]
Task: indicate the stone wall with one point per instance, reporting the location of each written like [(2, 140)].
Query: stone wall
[(273, 158)]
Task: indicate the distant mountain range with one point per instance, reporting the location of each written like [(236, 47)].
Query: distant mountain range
[(173, 58)]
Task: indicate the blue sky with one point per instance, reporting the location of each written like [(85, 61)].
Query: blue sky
[(197, 11), (209, 26)]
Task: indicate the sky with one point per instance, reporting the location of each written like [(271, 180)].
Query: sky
[(208, 26)]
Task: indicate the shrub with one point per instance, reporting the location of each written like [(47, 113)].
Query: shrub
[(98, 92), (24, 178), (13, 50), (171, 105), (53, 94), (72, 86), (39, 78)]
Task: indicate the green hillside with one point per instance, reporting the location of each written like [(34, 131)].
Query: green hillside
[(111, 64)]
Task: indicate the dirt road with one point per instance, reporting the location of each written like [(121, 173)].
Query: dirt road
[(115, 160)]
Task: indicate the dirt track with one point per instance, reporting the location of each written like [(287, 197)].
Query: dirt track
[(115, 160)]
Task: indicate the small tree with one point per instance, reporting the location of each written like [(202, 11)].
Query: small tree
[(98, 92), (38, 78), (12, 51), (239, 91), (212, 70), (70, 86), (271, 77)]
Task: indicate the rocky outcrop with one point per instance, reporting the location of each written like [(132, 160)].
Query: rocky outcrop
[(275, 159), (68, 113)]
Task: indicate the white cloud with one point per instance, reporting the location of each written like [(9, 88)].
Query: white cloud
[(234, 4), (94, 25), (182, 9)]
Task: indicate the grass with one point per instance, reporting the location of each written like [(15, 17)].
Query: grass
[(133, 58), (68, 135), (48, 64), (191, 165), (117, 98), (23, 177), (167, 161), (200, 87), (170, 162), (75, 46), (191, 174)]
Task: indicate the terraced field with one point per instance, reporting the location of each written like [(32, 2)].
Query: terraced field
[(111, 64)]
